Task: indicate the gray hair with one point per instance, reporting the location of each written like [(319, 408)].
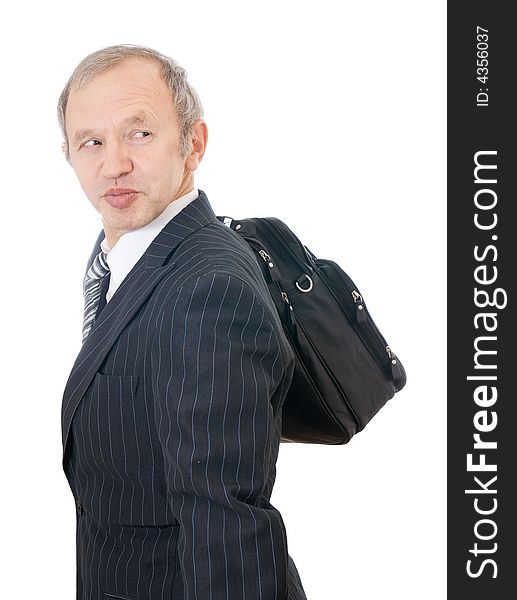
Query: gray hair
[(186, 101)]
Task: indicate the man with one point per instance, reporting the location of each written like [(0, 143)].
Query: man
[(171, 414)]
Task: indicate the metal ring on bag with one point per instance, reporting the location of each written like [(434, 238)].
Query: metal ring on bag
[(307, 289)]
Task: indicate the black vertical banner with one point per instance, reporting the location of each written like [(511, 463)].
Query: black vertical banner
[(482, 340)]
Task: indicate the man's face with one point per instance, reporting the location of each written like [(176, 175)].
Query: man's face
[(123, 134)]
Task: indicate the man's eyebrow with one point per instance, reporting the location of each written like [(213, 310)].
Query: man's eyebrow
[(138, 119)]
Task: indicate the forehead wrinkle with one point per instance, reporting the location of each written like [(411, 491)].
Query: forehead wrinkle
[(108, 96), (139, 118)]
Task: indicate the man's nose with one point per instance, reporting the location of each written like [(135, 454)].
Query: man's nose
[(117, 161)]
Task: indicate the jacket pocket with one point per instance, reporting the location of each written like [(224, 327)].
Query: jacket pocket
[(108, 596), (124, 386)]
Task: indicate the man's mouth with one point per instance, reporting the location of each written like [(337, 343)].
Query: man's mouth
[(120, 197)]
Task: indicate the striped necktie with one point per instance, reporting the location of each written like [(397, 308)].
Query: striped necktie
[(92, 290)]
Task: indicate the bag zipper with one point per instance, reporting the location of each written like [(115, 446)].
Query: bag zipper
[(288, 252), (363, 323), (365, 318)]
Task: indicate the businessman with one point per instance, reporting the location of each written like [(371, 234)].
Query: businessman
[(171, 414)]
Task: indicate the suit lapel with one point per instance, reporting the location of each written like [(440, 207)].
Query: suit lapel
[(127, 300)]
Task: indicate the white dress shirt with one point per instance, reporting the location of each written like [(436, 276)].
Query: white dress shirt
[(131, 246)]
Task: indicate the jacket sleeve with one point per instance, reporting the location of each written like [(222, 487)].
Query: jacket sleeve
[(216, 365)]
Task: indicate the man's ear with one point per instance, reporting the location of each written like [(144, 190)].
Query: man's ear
[(199, 140), (64, 148)]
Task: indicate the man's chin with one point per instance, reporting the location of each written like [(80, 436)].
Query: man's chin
[(116, 227)]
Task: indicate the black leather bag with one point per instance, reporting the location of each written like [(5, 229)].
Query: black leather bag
[(345, 371)]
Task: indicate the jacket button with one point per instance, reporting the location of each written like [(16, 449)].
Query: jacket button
[(80, 508)]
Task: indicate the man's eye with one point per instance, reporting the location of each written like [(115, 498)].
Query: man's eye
[(91, 143), (142, 134)]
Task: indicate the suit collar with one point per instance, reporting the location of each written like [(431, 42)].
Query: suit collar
[(155, 263), (195, 215), (132, 245)]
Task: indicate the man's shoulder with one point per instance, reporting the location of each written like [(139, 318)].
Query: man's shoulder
[(217, 255), (215, 248), (215, 259)]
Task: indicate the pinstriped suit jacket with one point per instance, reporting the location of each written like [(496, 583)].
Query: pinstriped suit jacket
[(171, 423)]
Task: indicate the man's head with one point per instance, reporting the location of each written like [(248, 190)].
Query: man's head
[(131, 121)]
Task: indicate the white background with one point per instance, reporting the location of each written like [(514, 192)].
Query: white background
[(328, 115)]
